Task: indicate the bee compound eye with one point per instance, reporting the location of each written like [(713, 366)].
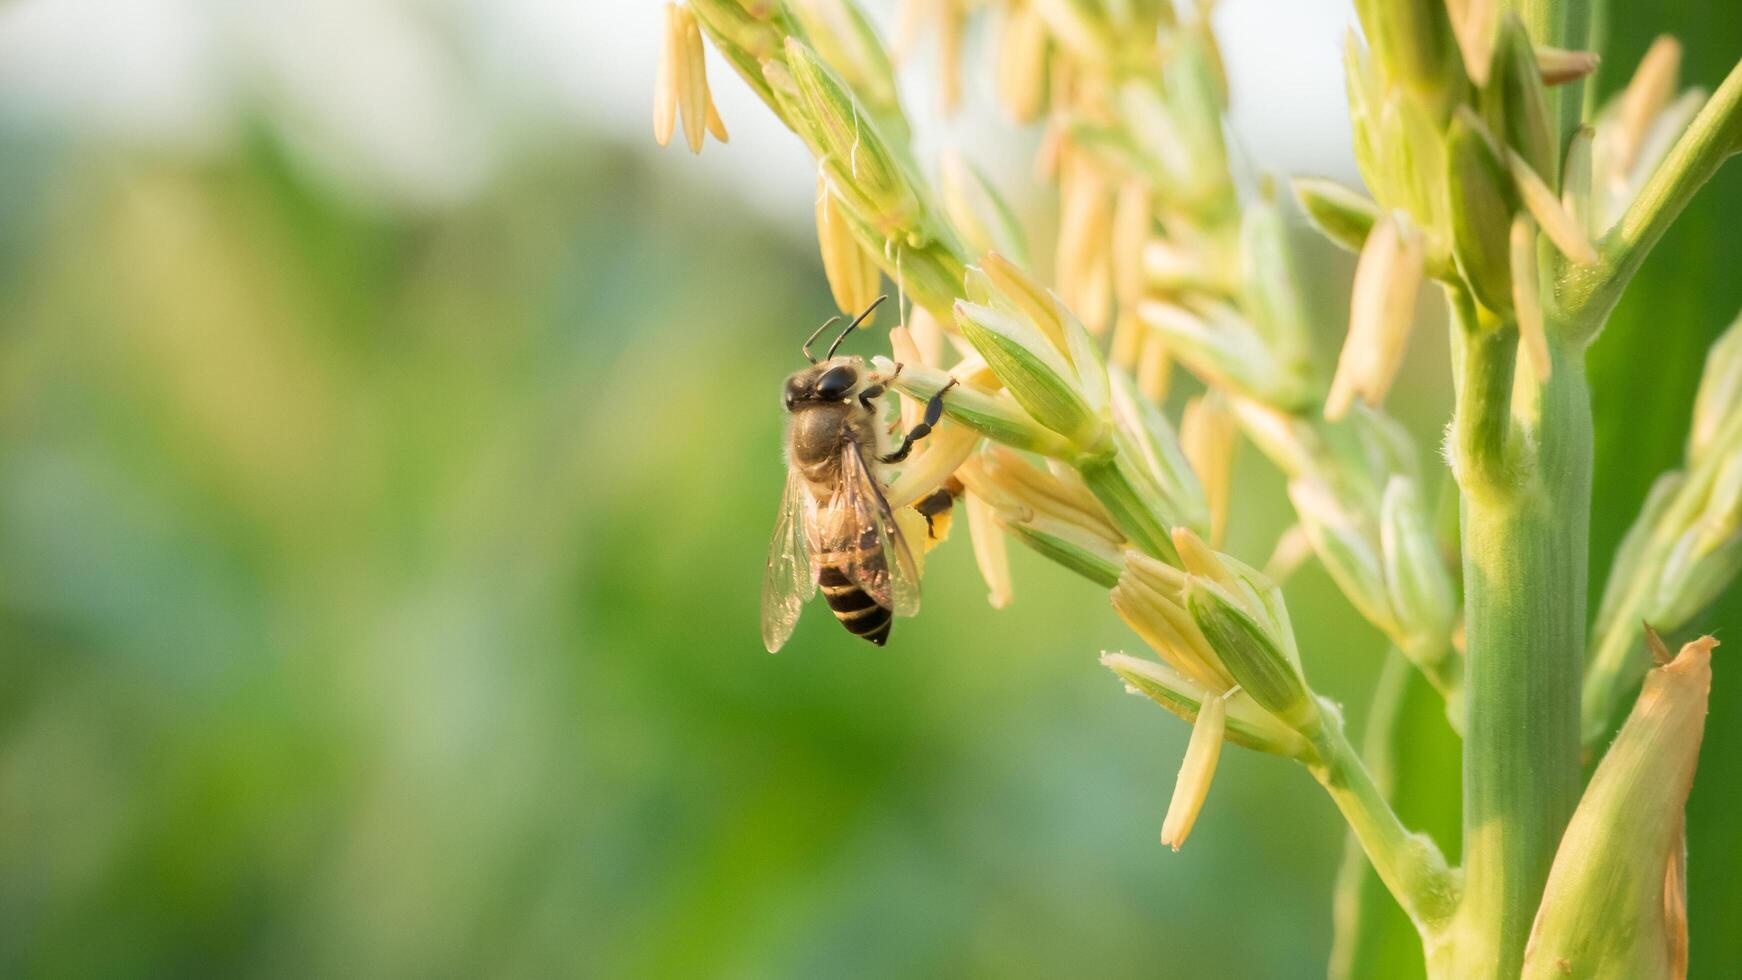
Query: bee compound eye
[(836, 382)]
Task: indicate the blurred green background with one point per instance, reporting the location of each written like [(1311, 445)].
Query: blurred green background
[(378, 597)]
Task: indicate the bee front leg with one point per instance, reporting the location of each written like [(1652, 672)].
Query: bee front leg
[(934, 410)]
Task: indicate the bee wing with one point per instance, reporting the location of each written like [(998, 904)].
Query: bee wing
[(877, 557), (791, 576)]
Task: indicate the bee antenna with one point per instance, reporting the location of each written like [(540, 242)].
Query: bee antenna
[(850, 327), (818, 332)]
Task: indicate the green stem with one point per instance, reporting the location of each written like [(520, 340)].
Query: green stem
[(1354, 902), (1524, 580), (1589, 294), (1484, 450), (1410, 864)]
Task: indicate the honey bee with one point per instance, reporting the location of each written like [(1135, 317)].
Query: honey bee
[(836, 528)]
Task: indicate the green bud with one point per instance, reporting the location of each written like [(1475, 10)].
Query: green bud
[(745, 42), (1616, 902), (1271, 285), (1151, 137), (1346, 547), (1376, 446), (1008, 289), (1248, 724), (1133, 500), (1720, 396), (735, 30), (998, 417), (1034, 371), (1481, 212), (1414, 153), (1194, 94), (1086, 358), (1722, 515), (1366, 101), (850, 140), (847, 41), (1703, 562), (1145, 433), (1340, 213), (1631, 558), (1515, 102), (1252, 653), (782, 89), (1087, 555), (1415, 576), (1415, 47), (1222, 346)]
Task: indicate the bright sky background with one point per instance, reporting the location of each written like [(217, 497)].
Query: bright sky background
[(416, 100)]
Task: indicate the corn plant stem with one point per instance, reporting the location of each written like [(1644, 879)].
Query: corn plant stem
[(1525, 546), (1352, 908), (1588, 294), (1410, 864), (1485, 451)]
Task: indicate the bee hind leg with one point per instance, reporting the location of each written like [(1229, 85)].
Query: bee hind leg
[(934, 410)]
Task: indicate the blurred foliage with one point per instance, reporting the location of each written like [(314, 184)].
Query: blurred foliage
[(378, 597), (1644, 370)]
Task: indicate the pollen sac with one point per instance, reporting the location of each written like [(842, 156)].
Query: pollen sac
[(1381, 312), (1195, 772), (1208, 439), (681, 87), (851, 272)]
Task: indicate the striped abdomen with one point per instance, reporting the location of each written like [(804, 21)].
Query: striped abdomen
[(853, 606)]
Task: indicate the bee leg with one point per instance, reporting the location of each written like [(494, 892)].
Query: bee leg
[(934, 410), (870, 393)]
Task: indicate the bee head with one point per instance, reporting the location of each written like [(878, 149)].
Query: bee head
[(834, 380)]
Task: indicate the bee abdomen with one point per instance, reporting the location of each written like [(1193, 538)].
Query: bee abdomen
[(853, 606)]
